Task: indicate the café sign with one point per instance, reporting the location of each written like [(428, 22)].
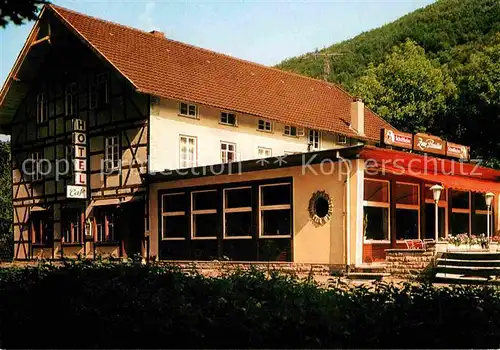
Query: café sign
[(78, 189), (429, 144), (457, 151), (397, 138)]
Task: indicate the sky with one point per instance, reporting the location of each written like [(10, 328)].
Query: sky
[(261, 31)]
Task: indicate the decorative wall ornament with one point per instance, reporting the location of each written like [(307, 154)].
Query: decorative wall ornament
[(320, 208)]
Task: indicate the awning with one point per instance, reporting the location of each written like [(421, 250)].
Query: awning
[(449, 173)]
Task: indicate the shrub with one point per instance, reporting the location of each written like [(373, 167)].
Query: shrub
[(129, 305)]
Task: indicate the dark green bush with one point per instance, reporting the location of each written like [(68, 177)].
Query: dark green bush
[(115, 305)]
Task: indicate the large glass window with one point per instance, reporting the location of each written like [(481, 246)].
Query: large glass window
[(204, 214), (430, 213), (376, 209), (407, 210), (238, 212), (460, 212), (41, 225), (275, 210), (106, 220), (174, 220), (480, 215)]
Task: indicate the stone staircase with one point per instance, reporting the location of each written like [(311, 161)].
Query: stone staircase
[(468, 268), (368, 272)]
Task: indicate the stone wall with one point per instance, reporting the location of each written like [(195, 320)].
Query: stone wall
[(408, 262), (215, 268)]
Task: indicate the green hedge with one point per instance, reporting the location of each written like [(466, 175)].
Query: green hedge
[(117, 305)]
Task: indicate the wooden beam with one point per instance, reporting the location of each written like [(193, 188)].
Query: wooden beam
[(41, 40)]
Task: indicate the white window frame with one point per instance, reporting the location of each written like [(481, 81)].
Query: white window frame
[(189, 106), (224, 118), (201, 212), (264, 152), (186, 162), (70, 96), (409, 206), (170, 214), (293, 131), (41, 108), (380, 205), (341, 139), (234, 210), (263, 208), (224, 153), (267, 125), (311, 139), (112, 156)]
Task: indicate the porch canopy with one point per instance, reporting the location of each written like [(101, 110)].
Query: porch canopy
[(449, 173)]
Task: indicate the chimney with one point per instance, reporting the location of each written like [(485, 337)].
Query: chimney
[(358, 115), (157, 33)]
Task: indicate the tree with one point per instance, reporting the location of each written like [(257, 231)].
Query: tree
[(407, 89), (16, 11)]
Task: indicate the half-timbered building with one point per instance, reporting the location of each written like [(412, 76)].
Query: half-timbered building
[(126, 142)]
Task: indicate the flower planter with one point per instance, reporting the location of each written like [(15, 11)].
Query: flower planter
[(464, 247), (493, 247), (442, 247)]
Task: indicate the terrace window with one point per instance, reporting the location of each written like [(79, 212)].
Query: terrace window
[(430, 213), (204, 217), (188, 151), (72, 225), (228, 118), (238, 212), (376, 210), (264, 125), (293, 131), (188, 110), (407, 211), (480, 215), (275, 210), (174, 220), (460, 212)]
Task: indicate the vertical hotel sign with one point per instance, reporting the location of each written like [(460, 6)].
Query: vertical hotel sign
[(79, 159)]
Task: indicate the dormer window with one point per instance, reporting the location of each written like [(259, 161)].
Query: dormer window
[(264, 125), (293, 131), (188, 110), (341, 140), (227, 118)]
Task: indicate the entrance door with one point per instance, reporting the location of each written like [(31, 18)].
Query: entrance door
[(132, 227)]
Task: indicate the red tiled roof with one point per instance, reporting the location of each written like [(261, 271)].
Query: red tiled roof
[(170, 69)]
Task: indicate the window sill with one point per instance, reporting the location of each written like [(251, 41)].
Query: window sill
[(110, 243), (237, 237), (66, 244), (268, 131), (374, 241), (202, 238), (280, 236), (227, 124), (41, 245), (294, 136), (188, 116), (173, 239)]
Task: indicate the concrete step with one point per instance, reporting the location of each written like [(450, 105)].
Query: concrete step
[(373, 276), (459, 279), (471, 255), (460, 262), (483, 271)]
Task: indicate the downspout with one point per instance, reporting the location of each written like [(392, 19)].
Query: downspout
[(347, 184)]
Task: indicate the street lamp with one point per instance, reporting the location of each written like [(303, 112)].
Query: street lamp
[(436, 193), (488, 197)]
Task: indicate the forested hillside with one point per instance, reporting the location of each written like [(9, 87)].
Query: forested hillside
[(436, 70)]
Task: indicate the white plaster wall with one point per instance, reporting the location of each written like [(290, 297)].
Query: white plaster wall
[(167, 126)]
